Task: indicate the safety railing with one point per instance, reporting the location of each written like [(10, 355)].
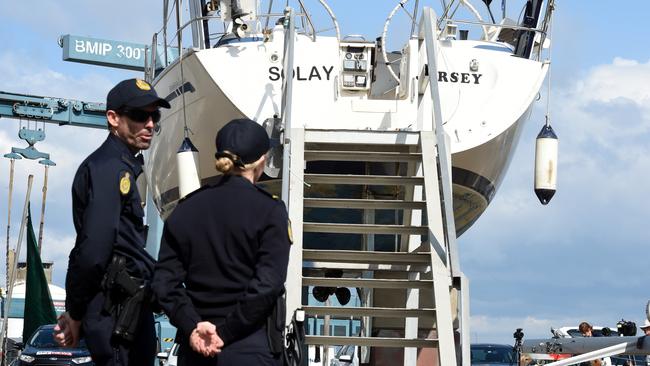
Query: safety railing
[(287, 99)]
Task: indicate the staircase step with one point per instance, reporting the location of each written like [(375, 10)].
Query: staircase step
[(359, 147), (371, 341), (386, 180), (366, 156), (316, 227), (354, 256), (363, 137), (364, 204), (367, 283), (316, 269), (371, 312)]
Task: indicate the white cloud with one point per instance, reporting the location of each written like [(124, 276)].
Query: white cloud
[(24, 74), (68, 152), (534, 266), (603, 122), (123, 20), (499, 329), (67, 146), (608, 117), (56, 248), (622, 79)]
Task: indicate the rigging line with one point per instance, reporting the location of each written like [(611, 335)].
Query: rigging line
[(166, 18), (453, 12), (548, 93), (266, 26), (401, 4), (40, 229), (415, 16), (177, 26), (521, 14), (179, 34), (543, 31), (445, 14), (11, 188), (164, 28), (14, 269)]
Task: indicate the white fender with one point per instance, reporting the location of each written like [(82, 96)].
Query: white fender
[(546, 155), (187, 161)]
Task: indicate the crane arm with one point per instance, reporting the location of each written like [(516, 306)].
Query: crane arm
[(53, 110)]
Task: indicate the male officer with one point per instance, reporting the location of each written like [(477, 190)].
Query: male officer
[(109, 270)]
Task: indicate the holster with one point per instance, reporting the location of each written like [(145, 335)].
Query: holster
[(124, 298), (275, 327)]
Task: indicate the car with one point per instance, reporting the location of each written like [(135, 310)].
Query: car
[(169, 358), (42, 350), (487, 354)]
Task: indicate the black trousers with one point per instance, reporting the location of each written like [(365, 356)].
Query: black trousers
[(97, 328), (250, 351)]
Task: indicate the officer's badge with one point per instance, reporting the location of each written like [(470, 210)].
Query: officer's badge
[(142, 85), (289, 232), (125, 183)]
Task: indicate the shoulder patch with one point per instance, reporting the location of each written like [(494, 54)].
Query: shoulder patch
[(289, 232), (125, 183), (266, 193)]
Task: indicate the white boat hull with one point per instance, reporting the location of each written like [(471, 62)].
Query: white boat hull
[(483, 110)]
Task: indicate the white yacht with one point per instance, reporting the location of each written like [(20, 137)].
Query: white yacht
[(487, 84)]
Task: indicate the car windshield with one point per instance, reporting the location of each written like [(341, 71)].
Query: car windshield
[(44, 338), (492, 354)]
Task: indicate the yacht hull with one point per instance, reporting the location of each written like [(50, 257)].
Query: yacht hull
[(483, 115)]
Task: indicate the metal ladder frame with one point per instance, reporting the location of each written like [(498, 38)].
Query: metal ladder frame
[(445, 266), (428, 35)]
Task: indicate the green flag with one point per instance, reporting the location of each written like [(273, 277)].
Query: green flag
[(39, 309)]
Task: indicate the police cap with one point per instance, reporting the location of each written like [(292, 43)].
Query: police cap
[(133, 93), (244, 138)]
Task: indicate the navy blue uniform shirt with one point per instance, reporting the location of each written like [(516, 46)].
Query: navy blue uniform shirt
[(223, 258), (108, 217)]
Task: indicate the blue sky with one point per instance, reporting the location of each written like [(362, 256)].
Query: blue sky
[(582, 257)]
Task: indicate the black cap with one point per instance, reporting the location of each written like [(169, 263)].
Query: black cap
[(244, 138), (134, 93)]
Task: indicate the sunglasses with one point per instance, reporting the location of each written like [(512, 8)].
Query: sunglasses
[(139, 115)]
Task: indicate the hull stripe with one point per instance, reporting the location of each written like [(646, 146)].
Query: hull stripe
[(473, 181)]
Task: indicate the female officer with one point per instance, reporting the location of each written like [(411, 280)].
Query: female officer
[(223, 258)]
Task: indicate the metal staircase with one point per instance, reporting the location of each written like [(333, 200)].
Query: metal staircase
[(413, 297), (412, 285)]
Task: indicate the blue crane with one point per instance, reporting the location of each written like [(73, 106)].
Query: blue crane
[(46, 109)]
